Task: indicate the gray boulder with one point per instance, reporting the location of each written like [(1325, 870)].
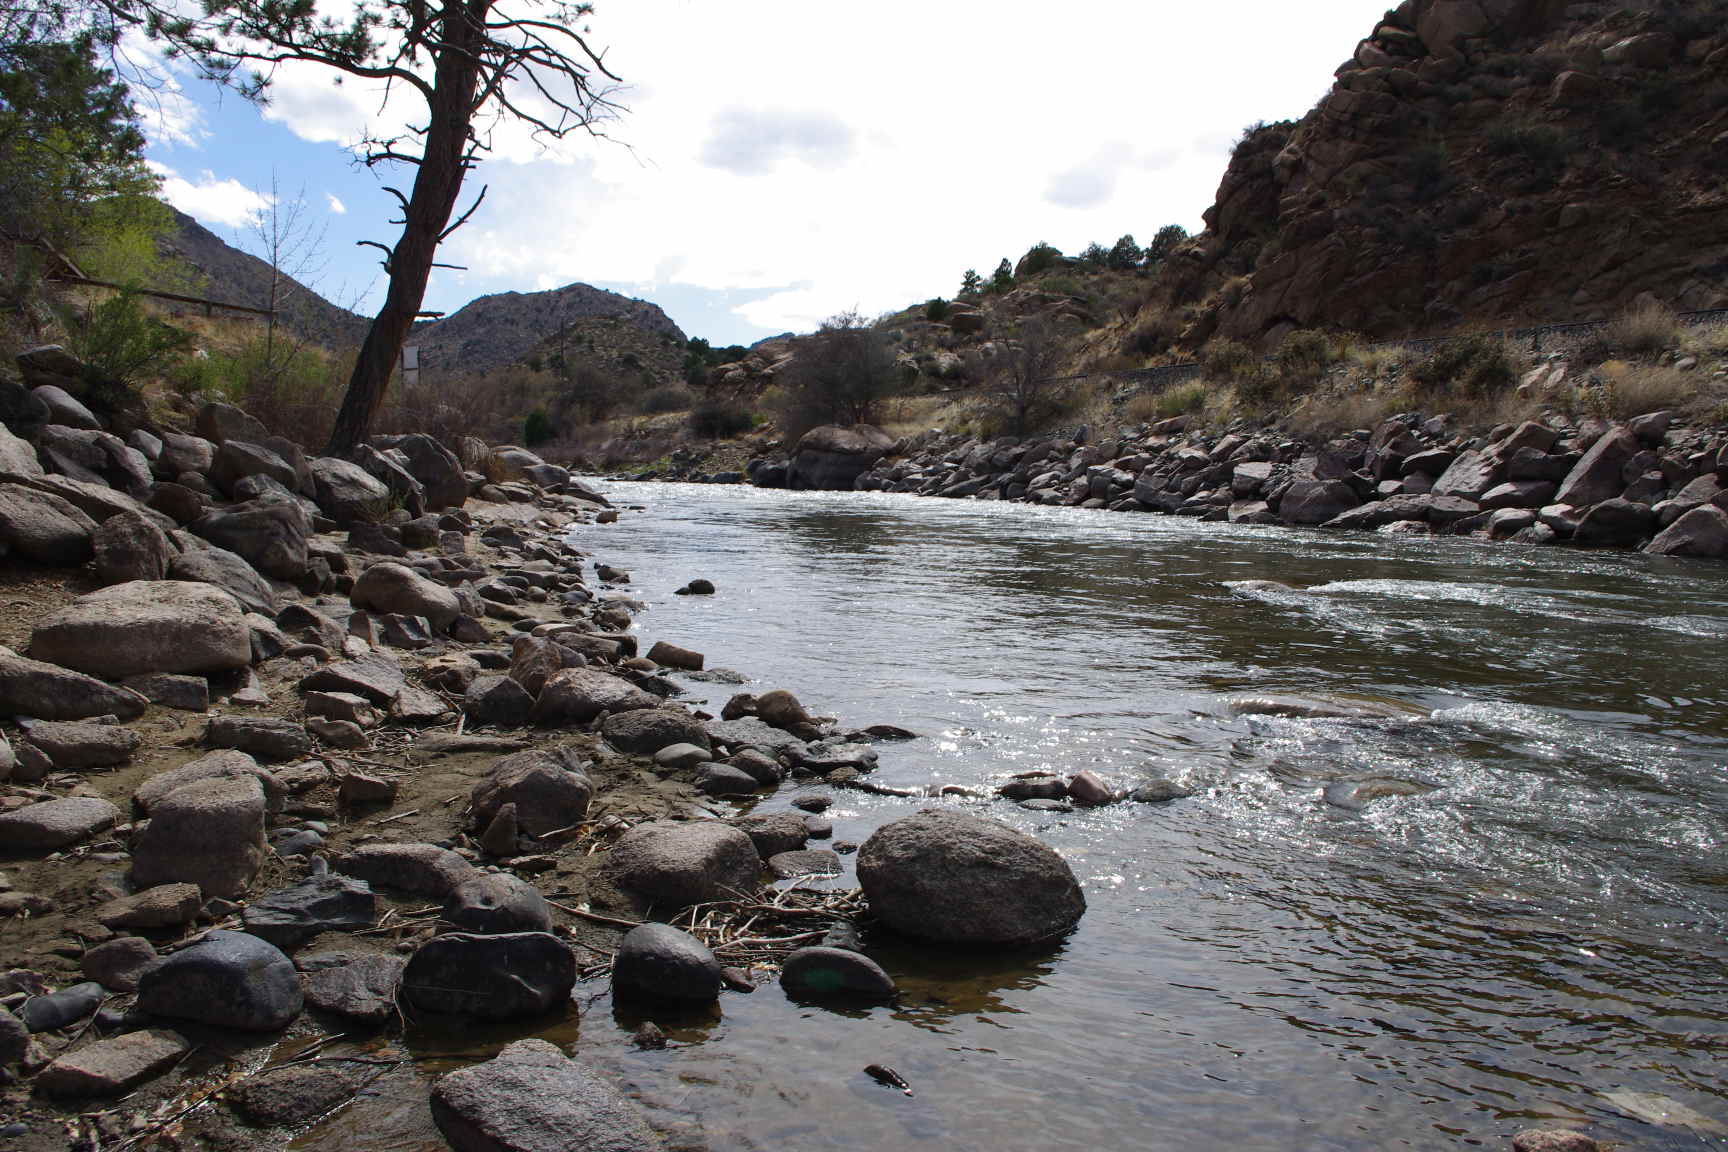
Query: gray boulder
[(270, 534), (147, 626), (495, 902), (268, 737), (1701, 532), (955, 878), (347, 493), (498, 701), (1597, 476), (578, 695), (390, 587), (1316, 501), (49, 825), (228, 571), (415, 869), (831, 458), (228, 980), (182, 454), (436, 468), (288, 917), (74, 744), (237, 459), (358, 985), (548, 787), (43, 528), (458, 975), (532, 1098), (774, 832), (659, 962), (670, 865), (118, 964), (131, 547), (64, 408), (1615, 523), (112, 1066), (226, 764), (209, 833), (16, 455), (644, 731), (219, 422)]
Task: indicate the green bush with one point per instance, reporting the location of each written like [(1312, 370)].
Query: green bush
[(1304, 354), (666, 398), (537, 428), (936, 310), (1228, 360), (1041, 257), (1478, 364), (717, 419), (122, 344)]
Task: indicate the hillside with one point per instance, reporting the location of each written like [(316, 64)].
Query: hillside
[(588, 325), (237, 277), (1501, 161)]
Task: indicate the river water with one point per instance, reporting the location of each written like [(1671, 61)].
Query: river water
[(1258, 968)]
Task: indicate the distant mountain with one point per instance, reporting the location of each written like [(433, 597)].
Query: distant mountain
[(237, 277), (576, 321)]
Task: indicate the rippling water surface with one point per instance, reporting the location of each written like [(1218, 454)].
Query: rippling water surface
[(1258, 969)]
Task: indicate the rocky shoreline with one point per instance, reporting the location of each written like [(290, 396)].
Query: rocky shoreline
[(1647, 484), (302, 750)]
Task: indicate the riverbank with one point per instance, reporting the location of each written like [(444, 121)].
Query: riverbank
[(1647, 485)]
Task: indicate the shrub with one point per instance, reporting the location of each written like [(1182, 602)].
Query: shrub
[(1041, 257), (936, 310), (840, 375), (1543, 145), (122, 344), (716, 419), (1304, 354), (1646, 328), (1178, 400), (666, 398), (1634, 389), (537, 428), (1228, 360), (1480, 364)]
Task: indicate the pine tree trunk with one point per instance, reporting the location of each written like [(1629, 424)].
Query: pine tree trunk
[(437, 183)]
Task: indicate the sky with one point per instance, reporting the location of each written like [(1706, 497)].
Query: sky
[(776, 162)]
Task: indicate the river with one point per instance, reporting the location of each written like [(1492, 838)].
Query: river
[(1258, 969)]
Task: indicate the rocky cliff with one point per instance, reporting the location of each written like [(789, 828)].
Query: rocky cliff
[(1476, 161)]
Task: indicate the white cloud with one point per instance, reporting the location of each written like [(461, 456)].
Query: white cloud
[(210, 200), (336, 204), (817, 161)]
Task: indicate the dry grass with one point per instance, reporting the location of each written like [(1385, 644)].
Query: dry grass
[(1634, 389), (1647, 328), (1180, 400), (1709, 340), (1324, 415)]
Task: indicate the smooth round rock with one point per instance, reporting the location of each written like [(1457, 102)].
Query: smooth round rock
[(495, 902), (659, 962), (821, 973), (460, 974), (228, 979)]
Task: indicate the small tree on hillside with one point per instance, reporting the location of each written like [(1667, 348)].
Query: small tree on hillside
[(1041, 257), (286, 239), (1002, 279), (1124, 255), (971, 283), (1024, 379), (1095, 256), (473, 64), (1165, 242), (839, 374)]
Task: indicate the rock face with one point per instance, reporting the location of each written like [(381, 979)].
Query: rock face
[(832, 458), (670, 865), (532, 1098), (147, 626), (209, 833), (659, 962), (1434, 81), (229, 980), (954, 878), (458, 974)]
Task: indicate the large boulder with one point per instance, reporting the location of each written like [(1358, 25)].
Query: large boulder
[(228, 571), (270, 534), (436, 468), (50, 692), (660, 962), (209, 833), (416, 869), (669, 865), (644, 731), (457, 974), (93, 458), (42, 527), (497, 902), (533, 1098), (16, 454), (391, 587), (182, 454), (548, 787), (131, 547), (578, 695), (288, 917), (1597, 476), (237, 459), (147, 626), (222, 764), (1701, 532), (347, 493), (227, 980), (955, 878), (831, 458), (219, 422), (1316, 501)]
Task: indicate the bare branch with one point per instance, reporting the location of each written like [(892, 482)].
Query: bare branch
[(463, 219)]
